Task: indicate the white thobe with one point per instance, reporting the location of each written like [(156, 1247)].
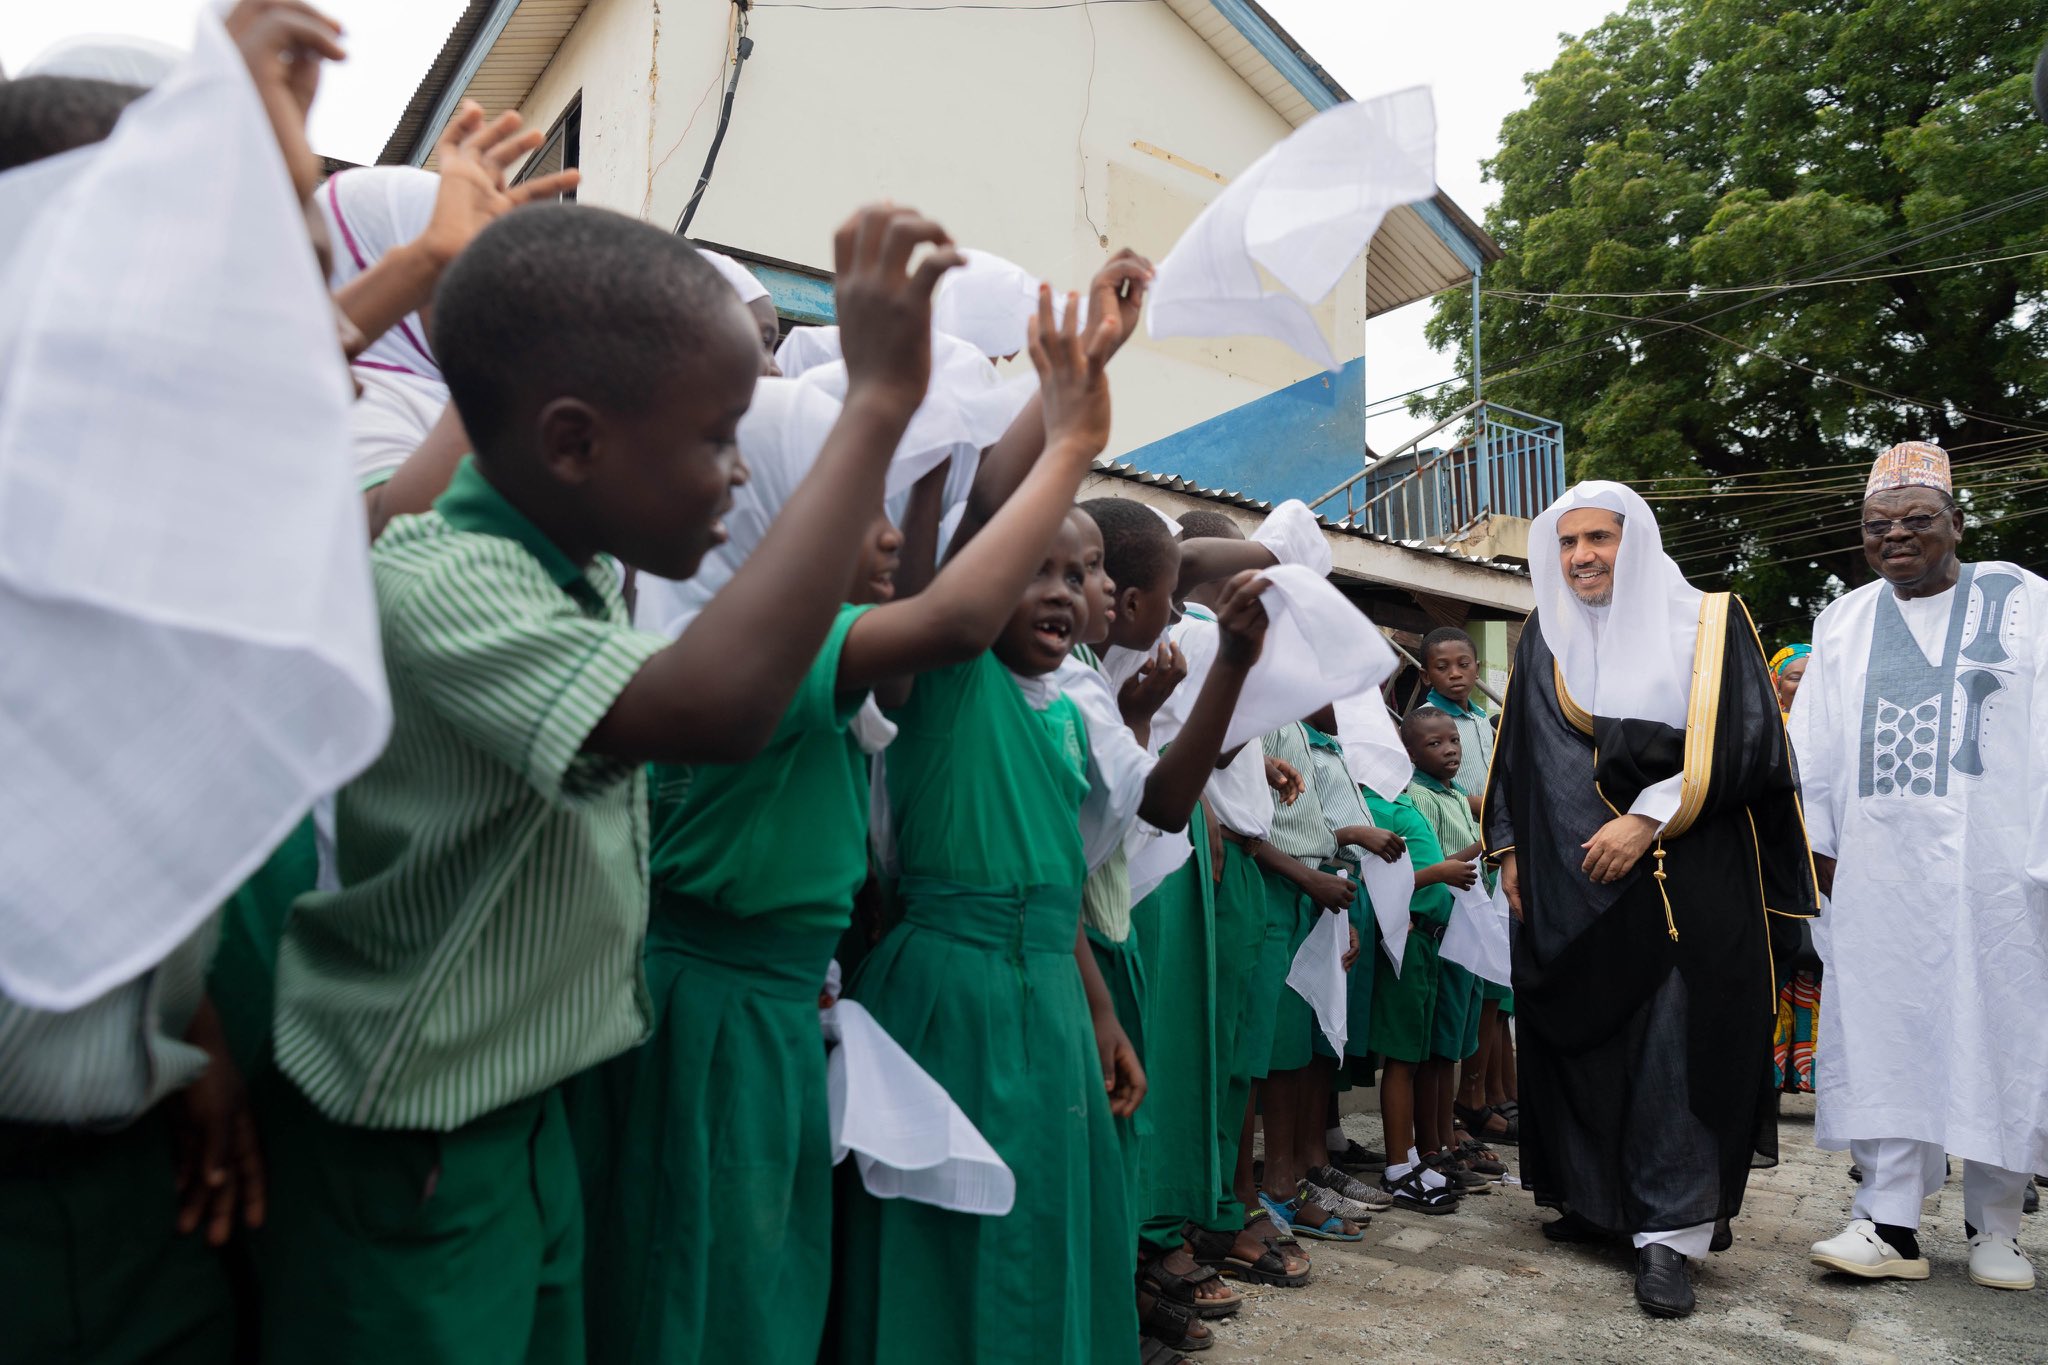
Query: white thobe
[(1925, 774)]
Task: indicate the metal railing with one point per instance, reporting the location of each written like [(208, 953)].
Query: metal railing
[(1506, 462)]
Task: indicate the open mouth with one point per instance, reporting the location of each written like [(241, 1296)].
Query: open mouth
[(1053, 632)]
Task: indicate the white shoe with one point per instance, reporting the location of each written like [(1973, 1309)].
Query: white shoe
[(1860, 1251), (1998, 1263)]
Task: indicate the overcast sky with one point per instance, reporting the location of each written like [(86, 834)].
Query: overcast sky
[(1473, 53)]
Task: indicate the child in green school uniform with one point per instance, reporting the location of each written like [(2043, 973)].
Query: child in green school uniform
[(725, 1108), (1433, 743), (486, 941), (988, 984), (1403, 1006)]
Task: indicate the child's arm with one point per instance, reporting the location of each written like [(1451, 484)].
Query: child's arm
[(1175, 783), (1449, 872), (966, 606), (423, 477), (1208, 558), (1122, 1075), (1007, 462), (1383, 844), (717, 694), (473, 157), (1478, 805), (1326, 889), (1468, 853)]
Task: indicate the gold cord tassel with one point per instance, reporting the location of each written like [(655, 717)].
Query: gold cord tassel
[(1670, 924)]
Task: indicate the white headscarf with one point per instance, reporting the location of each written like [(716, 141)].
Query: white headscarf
[(191, 646), (988, 302), (369, 210), (738, 276), (1632, 658)]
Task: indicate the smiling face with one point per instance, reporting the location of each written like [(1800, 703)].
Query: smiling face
[(656, 482), (1047, 618), (1099, 591), (1588, 541), (1916, 561), (1433, 745)]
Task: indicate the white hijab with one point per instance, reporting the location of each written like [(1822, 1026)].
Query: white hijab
[(743, 281), (369, 210), (988, 303), (191, 640), (1632, 658)]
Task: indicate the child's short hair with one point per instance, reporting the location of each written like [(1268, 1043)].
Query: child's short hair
[(1414, 719), (43, 115), (1203, 523), (564, 299), (1445, 635), (1137, 549)]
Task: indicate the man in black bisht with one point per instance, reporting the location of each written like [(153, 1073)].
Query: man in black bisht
[(1644, 812)]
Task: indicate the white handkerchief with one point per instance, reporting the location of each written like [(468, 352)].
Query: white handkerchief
[(1304, 211), (1477, 938), (1373, 750), (908, 1138), (191, 653), (1390, 886), (1318, 648), (1294, 536), (1317, 974), (1172, 526)]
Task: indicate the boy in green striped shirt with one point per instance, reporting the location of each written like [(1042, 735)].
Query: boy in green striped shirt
[(486, 942)]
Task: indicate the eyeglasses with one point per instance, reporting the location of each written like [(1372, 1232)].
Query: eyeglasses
[(1879, 529)]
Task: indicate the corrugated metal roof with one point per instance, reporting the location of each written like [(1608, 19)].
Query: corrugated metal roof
[(528, 41), (1119, 469)]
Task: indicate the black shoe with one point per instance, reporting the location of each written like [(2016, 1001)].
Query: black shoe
[(1724, 1236), (1856, 1174), (1663, 1284), (1358, 1160), (1573, 1228), (2031, 1201)]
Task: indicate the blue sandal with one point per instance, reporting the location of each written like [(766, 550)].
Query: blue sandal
[(1288, 1214)]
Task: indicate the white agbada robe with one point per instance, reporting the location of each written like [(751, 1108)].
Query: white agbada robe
[(1924, 765)]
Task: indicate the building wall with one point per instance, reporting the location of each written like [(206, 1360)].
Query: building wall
[(988, 121)]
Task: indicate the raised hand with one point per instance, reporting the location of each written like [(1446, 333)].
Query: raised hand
[(1145, 691), (1072, 387), (475, 155), (884, 307), (1121, 283), (1241, 619), (283, 42)]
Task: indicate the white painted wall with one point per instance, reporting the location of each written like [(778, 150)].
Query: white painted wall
[(986, 120)]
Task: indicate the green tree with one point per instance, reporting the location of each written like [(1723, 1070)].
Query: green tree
[(1696, 145)]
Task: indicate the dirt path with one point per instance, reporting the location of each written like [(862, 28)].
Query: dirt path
[(1482, 1285)]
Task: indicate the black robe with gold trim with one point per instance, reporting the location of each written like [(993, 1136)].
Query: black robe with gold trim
[(1645, 1007)]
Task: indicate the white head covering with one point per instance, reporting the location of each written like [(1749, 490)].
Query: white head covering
[(738, 276), (191, 640), (122, 58), (1632, 658), (806, 348), (369, 210), (988, 302), (1304, 212)]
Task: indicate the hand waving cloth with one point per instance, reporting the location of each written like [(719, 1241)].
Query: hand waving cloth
[(192, 652)]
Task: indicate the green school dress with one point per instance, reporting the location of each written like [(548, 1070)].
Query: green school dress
[(1174, 930), (1454, 1019), (1283, 1024), (978, 983), (1240, 897), (1107, 895), (705, 1153), (242, 980), (1402, 1005)]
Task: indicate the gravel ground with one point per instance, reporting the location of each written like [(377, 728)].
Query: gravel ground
[(1482, 1285)]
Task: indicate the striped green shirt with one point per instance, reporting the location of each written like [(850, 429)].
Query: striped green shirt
[(486, 940)]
